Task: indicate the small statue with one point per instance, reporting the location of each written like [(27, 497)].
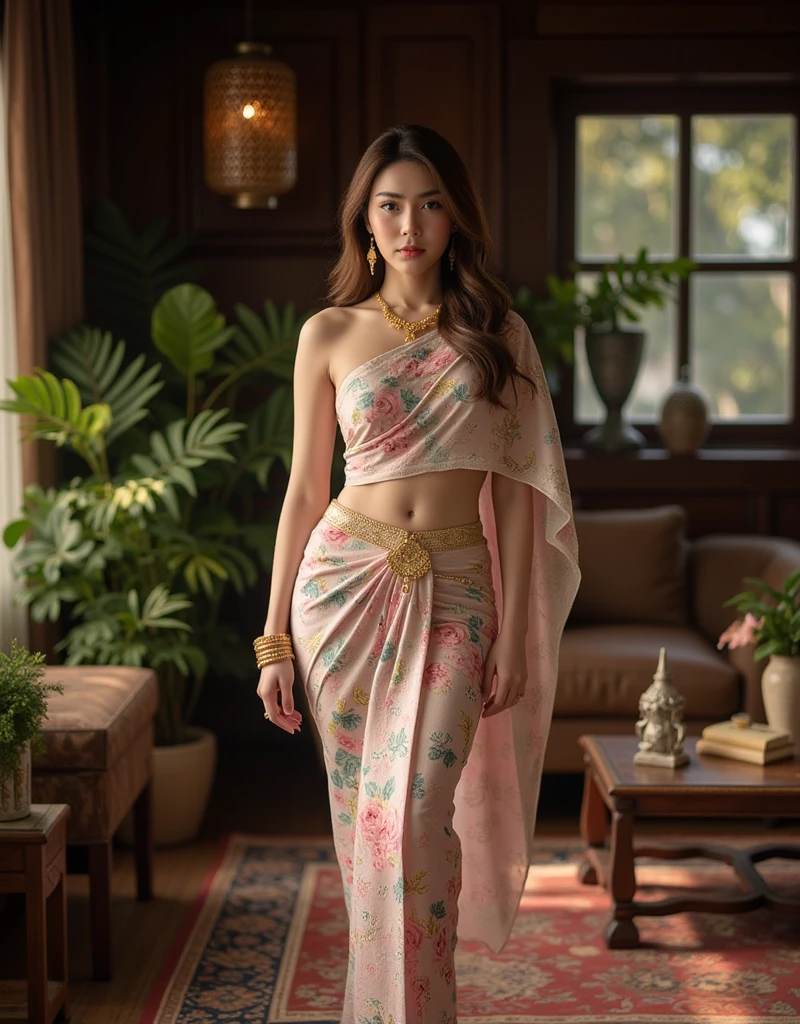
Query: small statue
[(660, 728)]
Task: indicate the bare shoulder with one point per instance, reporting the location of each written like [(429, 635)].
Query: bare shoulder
[(325, 326), (319, 335)]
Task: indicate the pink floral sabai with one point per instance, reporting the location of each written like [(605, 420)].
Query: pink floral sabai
[(417, 661)]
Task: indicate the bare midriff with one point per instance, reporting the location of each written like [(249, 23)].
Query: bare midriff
[(427, 501)]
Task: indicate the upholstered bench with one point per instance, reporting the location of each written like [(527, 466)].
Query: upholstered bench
[(97, 758)]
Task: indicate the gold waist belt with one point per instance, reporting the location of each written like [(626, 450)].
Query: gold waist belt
[(408, 551)]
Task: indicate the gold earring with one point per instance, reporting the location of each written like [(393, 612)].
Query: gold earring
[(452, 253), (372, 256)]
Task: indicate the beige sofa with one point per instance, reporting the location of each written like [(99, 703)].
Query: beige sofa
[(645, 586)]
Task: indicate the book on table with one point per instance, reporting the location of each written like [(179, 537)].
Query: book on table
[(752, 755), (755, 736)]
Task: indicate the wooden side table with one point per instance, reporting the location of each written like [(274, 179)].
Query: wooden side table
[(33, 861)]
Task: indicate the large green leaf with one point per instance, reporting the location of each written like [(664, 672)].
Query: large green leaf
[(59, 545), (126, 273), (261, 345), (188, 329), (58, 414), (269, 436), (89, 357), (183, 447)]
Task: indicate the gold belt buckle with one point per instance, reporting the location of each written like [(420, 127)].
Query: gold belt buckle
[(409, 560)]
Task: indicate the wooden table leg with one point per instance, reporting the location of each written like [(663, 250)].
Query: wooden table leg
[(57, 936), (593, 824), (143, 840), (622, 933), (36, 935)]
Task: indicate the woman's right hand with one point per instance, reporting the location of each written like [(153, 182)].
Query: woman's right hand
[(275, 679)]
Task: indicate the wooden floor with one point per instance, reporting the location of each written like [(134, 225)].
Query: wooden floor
[(251, 794)]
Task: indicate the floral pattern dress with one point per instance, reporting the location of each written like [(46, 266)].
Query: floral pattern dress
[(432, 806)]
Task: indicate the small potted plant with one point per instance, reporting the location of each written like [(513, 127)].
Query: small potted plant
[(775, 627), (614, 352), (23, 705)]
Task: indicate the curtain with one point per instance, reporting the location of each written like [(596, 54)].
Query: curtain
[(44, 183), (42, 261), (13, 620)]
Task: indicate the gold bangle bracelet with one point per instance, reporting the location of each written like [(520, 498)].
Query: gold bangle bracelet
[(263, 662)]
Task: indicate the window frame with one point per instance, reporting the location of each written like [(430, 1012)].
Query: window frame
[(571, 100)]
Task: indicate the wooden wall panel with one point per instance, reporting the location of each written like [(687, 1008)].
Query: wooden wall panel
[(442, 71), (653, 19)]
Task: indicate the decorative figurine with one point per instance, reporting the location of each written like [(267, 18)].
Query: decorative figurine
[(661, 729)]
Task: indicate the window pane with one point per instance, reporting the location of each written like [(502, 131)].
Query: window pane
[(626, 186), (740, 344), (657, 372), (742, 172)]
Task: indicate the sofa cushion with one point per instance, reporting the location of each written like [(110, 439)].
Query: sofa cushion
[(632, 565), (102, 710), (604, 670)]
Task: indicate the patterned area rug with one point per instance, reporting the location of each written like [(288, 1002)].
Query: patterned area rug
[(267, 942)]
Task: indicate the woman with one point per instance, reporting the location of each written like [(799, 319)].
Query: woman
[(425, 604)]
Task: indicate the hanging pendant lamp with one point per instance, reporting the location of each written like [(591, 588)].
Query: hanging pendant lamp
[(249, 127)]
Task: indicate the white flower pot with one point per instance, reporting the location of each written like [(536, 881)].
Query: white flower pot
[(15, 790), (780, 690), (182, 780)]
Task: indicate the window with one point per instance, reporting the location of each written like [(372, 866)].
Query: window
[(711, 174)]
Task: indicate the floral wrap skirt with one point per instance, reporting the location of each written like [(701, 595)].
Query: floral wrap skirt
[(391, 630)]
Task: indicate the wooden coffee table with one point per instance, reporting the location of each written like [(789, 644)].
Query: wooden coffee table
[(707, 787)]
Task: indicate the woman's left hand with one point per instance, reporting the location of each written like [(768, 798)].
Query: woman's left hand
[(506, 659)]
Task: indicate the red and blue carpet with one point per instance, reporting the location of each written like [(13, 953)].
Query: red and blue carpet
[(267, 942)]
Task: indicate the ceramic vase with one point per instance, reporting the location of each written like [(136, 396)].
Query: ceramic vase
[(780, 690), (614, 358), (15, 790), (683, 421)]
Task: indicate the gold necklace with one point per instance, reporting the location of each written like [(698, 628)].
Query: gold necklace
[(411, 329)]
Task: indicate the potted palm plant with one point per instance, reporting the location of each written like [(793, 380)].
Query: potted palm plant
[(137, 550), (23, 706), (613, 351)]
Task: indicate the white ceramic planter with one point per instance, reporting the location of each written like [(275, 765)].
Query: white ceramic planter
[(182, 780), (780, 690), (15, 791)]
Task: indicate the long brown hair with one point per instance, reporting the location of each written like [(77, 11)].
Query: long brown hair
[(475, 302)]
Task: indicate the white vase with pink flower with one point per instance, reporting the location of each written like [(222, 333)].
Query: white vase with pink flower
[(772, 621)]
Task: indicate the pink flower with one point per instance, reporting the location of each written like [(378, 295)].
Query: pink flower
[(370, 819), (333, 534), (386, 405), (395, 444), (439, 360), (380, 831), (346, 742), (741, 632), (451, 635), (413, 937), (436, 677)]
